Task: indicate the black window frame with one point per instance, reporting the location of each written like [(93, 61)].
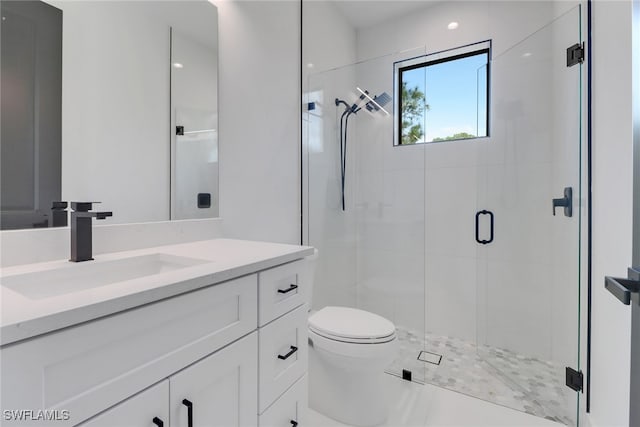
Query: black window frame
[(398, 70)]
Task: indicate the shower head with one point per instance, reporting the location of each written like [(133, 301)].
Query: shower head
[(378, 102)]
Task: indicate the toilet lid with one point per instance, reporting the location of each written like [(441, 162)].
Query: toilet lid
[(350, 324)]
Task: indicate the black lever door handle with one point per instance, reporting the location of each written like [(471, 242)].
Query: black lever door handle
[(478, 214), (157, 421), (288, 355), (565, 202), (294, 423), (189, 406), (623, 289), (289, 289)]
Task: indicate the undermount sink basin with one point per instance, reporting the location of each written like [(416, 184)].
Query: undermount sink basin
[(94, 274)]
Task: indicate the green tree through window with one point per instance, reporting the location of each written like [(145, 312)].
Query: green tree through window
[(413, 108)]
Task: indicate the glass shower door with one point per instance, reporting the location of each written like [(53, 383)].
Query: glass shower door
[(528, 254), (372, 247)]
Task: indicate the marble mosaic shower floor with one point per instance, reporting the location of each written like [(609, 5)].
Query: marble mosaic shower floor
[(495, 375)]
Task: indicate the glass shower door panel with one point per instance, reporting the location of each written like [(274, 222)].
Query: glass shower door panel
[(389, 211), (329, 229), (528, 276), (371, 251)]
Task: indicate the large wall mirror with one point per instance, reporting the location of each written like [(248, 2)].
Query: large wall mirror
[(108, 101)]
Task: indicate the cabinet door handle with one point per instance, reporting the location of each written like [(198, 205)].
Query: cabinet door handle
[(157, 421), (286, 356), (289, 289), (294, 423), (189, 406)]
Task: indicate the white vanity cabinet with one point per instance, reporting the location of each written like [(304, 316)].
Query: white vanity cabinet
[(216, 391), (283, 349), (147, 408), (90, 367), (233, 354)]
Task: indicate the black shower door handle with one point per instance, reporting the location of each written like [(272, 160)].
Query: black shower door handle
[(478, 214)]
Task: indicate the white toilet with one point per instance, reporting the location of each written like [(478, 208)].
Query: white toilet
[(349, 350)]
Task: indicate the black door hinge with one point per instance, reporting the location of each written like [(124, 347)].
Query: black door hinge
[(574, 379), (575, 54)]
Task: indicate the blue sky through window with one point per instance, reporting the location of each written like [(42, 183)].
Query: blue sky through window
[(456, 93)]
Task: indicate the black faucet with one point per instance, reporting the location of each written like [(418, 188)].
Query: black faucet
[(81, 242)]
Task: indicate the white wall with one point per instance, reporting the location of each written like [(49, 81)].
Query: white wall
[(260, 119), (612, 209)]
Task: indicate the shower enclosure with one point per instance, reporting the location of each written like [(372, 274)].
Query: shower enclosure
[(471, 247), (372, 252)]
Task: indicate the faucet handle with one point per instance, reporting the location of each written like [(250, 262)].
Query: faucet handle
[(82, 206)]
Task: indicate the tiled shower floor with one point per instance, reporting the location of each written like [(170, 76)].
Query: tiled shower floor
[(495, 375)]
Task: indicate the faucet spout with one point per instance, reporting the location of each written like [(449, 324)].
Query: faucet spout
[(96, 215)]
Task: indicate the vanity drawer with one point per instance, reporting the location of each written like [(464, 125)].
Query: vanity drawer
[(281, 289), (283, 355), (290, 408), (90, 367)]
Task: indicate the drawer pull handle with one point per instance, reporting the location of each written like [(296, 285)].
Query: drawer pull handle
[(294, 423), (157, 421), (289, 289), (189, 406), (288, 355)]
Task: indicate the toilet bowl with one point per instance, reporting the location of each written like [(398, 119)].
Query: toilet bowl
[(349, 350)]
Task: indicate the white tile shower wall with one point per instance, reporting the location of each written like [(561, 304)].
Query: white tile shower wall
[(451, 175), (259, 53), (41, 245), (328, 228)]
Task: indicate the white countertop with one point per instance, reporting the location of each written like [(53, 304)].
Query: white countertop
[(22, 317)]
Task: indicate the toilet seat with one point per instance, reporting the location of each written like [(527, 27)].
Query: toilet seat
[(350, 325)]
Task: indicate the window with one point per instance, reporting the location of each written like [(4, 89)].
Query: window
[(443, 96)]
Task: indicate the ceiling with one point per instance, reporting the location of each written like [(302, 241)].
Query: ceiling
[(366, 13)]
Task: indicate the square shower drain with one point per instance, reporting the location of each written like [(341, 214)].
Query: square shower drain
[(428, 357)]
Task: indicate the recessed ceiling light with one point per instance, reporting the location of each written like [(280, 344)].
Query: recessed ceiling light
[(527, 54), (452, 25), (177, 65), (309, 65)]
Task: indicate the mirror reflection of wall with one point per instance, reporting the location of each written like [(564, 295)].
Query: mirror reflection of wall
[(194, 91), (30, 113), (118, 118)]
